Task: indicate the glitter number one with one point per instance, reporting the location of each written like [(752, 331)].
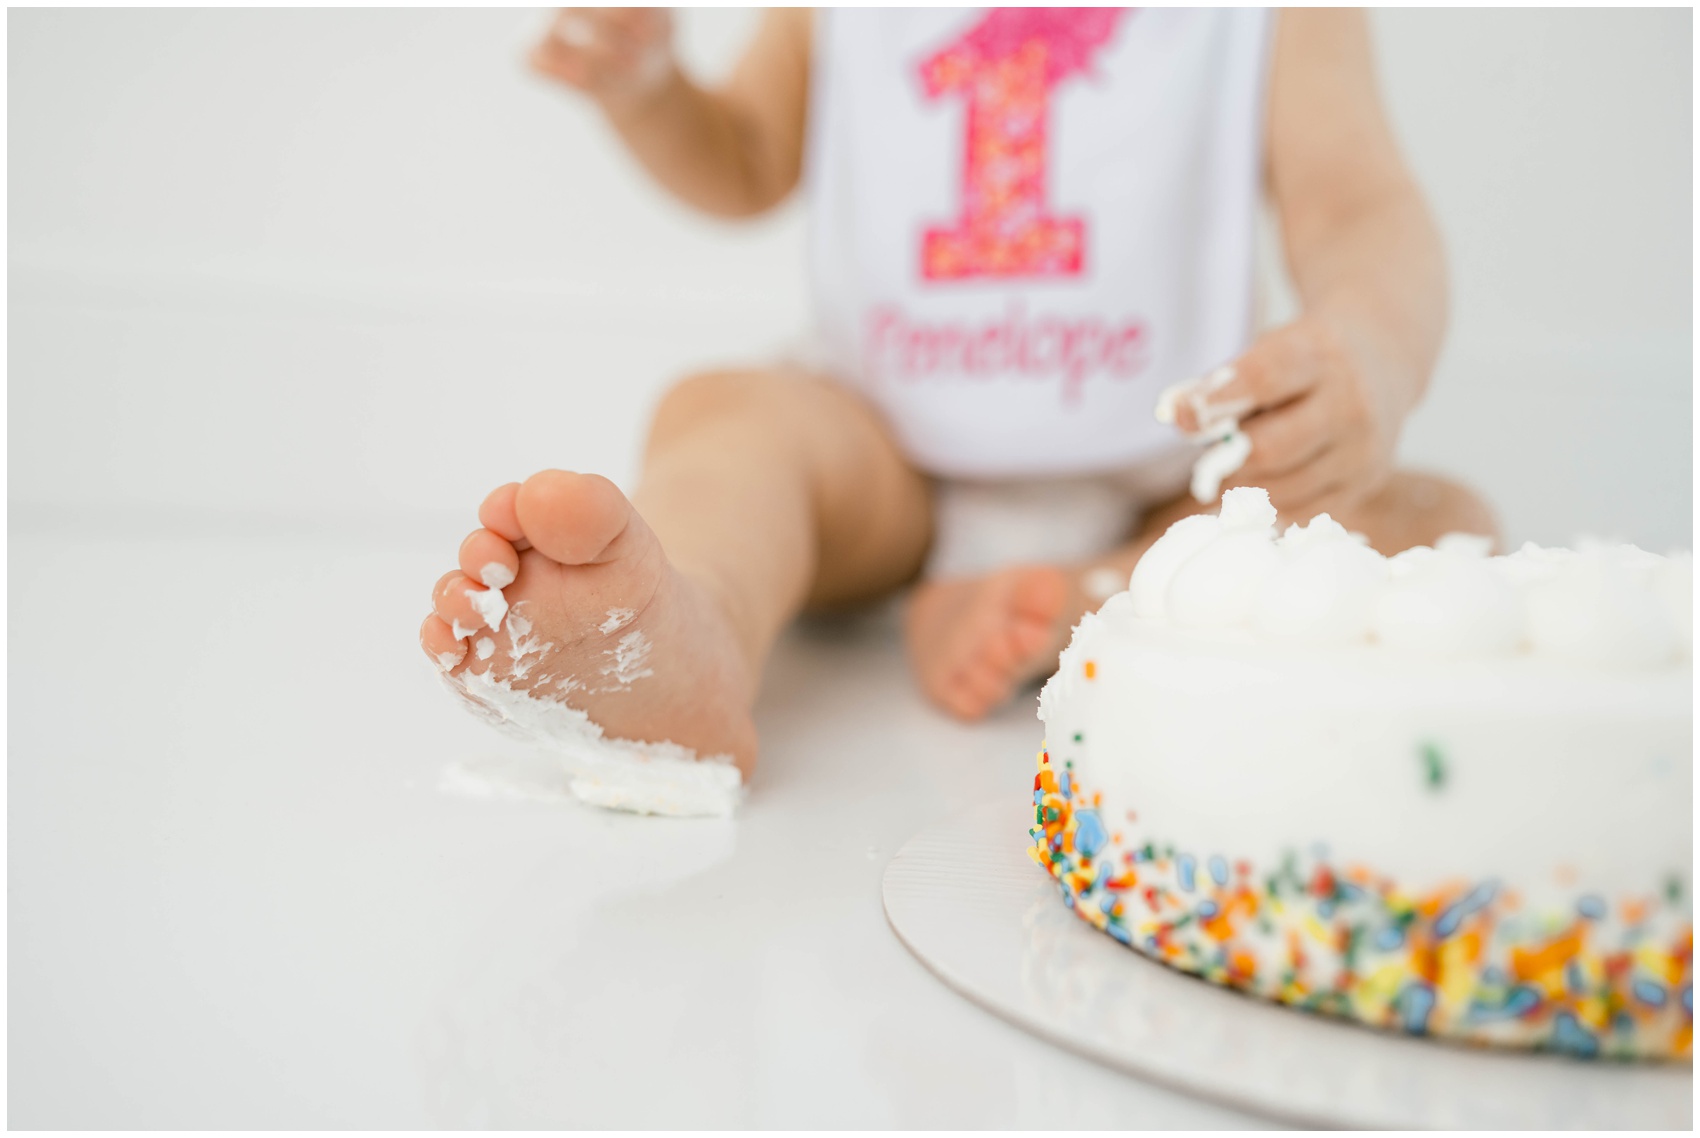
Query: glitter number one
[(1005, 68)]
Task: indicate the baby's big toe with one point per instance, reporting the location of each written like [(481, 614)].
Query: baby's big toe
[(574, 519)]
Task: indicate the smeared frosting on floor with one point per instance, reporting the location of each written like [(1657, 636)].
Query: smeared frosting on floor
[(620, 774)]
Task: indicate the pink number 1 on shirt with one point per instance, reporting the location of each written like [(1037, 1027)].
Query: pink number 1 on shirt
[(1004, 68)]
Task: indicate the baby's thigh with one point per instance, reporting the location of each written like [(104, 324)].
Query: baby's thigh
[(829, 458), (799, 411)]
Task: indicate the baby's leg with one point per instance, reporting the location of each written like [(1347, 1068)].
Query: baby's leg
[(760, 493), (974, 641), (1417, 509)]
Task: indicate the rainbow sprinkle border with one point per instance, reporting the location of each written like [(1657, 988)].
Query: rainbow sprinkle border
[(1465, 961)]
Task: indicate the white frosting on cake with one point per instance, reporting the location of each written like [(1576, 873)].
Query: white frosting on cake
[(1438, 716), (1326, 588), (1282, 692), (1250, 746), (1317, 584)]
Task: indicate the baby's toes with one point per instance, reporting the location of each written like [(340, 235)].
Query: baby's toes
[(575, 519), (972, 691), (499, 515), (456, 602), (488, 557), (440, 643)]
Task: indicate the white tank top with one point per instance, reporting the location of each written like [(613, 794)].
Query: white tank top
[(1026, 222)]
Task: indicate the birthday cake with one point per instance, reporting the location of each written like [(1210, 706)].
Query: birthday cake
[(1444, 792)]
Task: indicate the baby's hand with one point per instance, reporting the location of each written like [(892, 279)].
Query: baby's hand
[(614, 55), (1322, 435)]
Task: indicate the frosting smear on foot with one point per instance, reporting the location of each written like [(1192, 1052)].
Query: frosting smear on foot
[(566, 625), (619, 774)]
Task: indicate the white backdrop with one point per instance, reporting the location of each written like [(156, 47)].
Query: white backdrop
[(356, 266)]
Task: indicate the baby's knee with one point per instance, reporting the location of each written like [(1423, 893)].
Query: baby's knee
[(1455, 507), (713, 396), (1417, 509)]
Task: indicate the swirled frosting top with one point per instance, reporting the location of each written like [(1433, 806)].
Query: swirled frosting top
[(1316, 584)]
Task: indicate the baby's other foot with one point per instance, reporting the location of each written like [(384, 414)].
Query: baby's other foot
[(974, 640), (566, 596)]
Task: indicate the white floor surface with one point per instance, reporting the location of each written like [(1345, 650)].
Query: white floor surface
[(239, 899)]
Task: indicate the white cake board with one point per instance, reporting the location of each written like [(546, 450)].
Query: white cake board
[(965, 899)]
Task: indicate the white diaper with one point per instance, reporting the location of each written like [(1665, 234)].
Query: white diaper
[(980, 526)]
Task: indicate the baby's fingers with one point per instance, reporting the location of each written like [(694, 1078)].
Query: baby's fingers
[(554, 60), (1277, 369), (632, 30), (1285, 439), (1296, 493), (574, 50), (581, 27)]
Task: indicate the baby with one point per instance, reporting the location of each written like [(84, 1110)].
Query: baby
[(1032, 251)]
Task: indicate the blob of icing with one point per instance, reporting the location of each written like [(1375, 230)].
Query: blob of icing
[(1613, 606)]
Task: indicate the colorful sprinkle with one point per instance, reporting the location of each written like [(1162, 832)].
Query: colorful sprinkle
[(1434, 766), (1417, 1004), (1471, 902), (1464, 960)]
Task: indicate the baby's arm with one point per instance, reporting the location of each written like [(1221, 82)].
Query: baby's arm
[(734, 150), (1327, 394)]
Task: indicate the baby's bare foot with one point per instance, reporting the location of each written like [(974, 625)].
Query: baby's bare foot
[(566, 598), (974, 640)]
